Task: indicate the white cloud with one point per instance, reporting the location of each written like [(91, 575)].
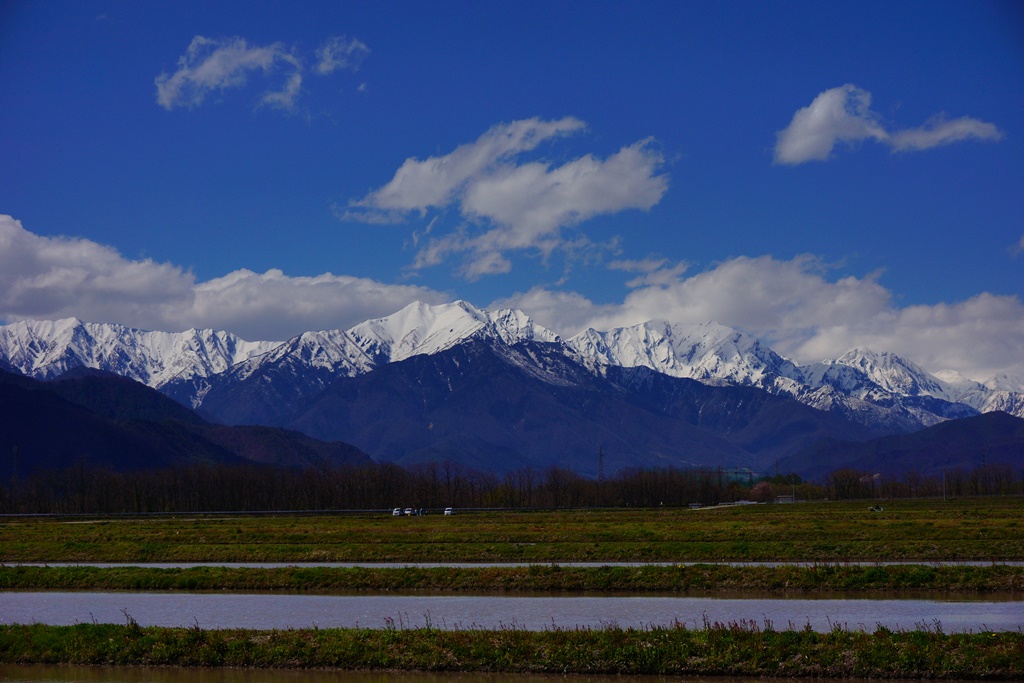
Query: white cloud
[(656, 272), (340, 52), (979, 337), (940, 131), (211, 65), (647, 265), (276, 306), (844, 115), (838, 115), (531, 201), (509, 204), (805, 315), (435, 182), (59, 277), (563, 312), (284, 98)]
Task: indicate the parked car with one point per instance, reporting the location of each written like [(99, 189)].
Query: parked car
[(397, 512), (449, 511), (408, 511)]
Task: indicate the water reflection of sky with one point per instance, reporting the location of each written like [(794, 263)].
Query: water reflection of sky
[(265, 611)]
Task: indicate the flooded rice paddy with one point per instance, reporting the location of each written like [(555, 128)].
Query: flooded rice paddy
[(291, 611)]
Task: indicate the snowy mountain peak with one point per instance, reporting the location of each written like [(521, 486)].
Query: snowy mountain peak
[(515, 326), (894, 374), (418, 328), (709, 352), (425, 329), (954, 378), (1004, 382)]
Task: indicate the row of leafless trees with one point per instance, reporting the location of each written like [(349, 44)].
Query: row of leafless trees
[(987, 480), (85, 489)]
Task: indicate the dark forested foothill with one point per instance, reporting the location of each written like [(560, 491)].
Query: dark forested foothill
[(88, 422)]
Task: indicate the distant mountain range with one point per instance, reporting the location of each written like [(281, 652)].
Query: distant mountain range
[(496, 391)]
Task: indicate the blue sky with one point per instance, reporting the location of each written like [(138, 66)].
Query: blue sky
[(822, 175)]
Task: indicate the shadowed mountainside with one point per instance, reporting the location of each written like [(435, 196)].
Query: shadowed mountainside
[(989, 439), (122, 425), (499, 408)]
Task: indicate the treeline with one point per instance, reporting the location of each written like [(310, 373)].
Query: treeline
[(86, 489), (218, 488), (987, 480)]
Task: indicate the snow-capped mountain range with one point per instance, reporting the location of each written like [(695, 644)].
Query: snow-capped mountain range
[(877, 389), (45, 349)]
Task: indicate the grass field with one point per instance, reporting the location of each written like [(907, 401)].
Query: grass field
[(983, 529), (730, 649)]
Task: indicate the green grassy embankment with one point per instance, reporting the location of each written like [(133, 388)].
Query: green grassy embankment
[(683, 579), (736, 649)]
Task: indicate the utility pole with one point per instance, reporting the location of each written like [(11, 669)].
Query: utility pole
[(14, 482)]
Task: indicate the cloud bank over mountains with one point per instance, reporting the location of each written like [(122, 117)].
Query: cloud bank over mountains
[(793, 304), (60, 277), (844, 115)]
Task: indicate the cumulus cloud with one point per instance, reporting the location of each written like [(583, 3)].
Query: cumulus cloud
[(258, 304), (60, 277), (979, 337), (806, 315), (435, 182), (564, 312), (510, 204), (844, 115), (211, 65), (838, 115), (57, 277)]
